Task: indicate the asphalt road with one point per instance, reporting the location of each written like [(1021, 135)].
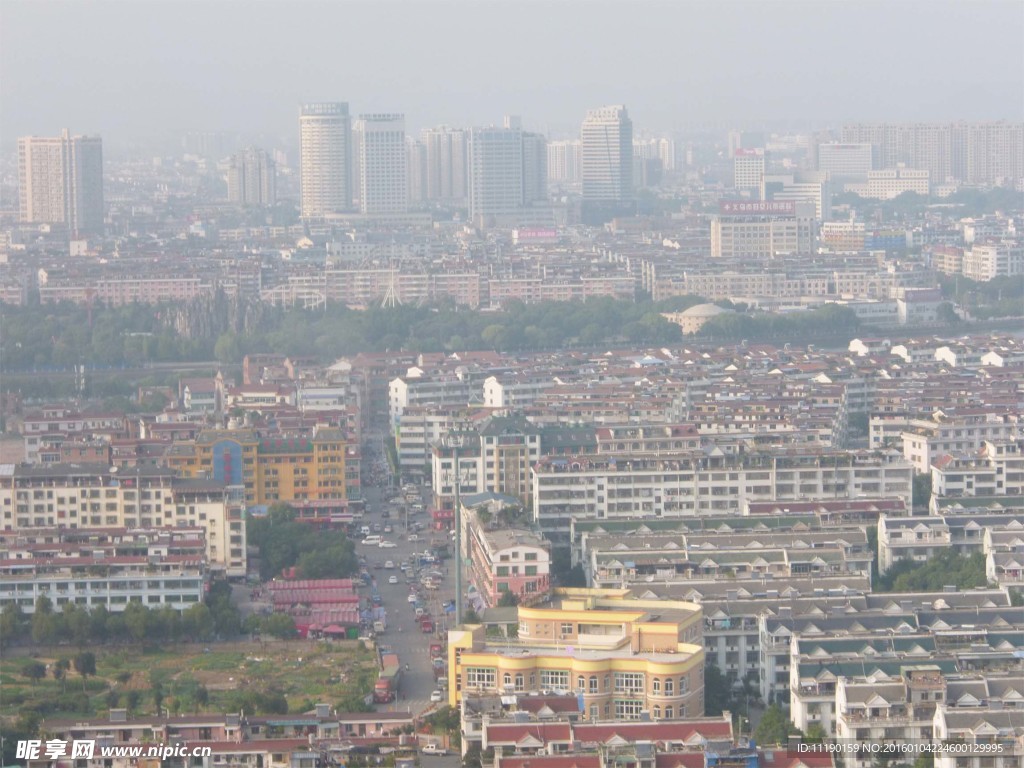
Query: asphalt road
[(403, 633)]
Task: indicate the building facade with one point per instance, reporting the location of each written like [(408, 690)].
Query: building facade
[(325, 158), (60, 181)]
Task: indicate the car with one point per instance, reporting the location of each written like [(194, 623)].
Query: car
[(387, 529), (389, 564), (387, 545), (392, 580), (403, 567), (433, 749), (414, 537), (413, 598), (436, 696)]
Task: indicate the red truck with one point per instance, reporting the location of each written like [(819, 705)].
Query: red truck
[(436, 651), (386, 687), (426, 624)]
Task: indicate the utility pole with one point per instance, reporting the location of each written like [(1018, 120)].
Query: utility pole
[(456, 441)]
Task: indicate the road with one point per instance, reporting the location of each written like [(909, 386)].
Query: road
[(403, 634)]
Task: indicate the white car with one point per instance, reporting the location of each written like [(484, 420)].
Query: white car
[(436, 696), (387, 545), (392, 580), (389, 564), (433, 749), (413, 598), (414, 537)]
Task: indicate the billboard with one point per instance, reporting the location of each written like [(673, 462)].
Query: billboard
[(757, 207)]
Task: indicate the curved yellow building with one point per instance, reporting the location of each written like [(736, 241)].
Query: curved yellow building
[(621, 656)]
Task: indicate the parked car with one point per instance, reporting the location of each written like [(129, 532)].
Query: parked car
[(392, 580), (435, 697)]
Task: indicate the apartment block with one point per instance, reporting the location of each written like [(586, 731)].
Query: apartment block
[(76, 496), (624, 657)]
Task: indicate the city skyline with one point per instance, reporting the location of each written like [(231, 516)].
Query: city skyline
[(712, 71)]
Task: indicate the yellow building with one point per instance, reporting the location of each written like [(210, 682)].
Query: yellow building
[(321, 466), (623, 656)]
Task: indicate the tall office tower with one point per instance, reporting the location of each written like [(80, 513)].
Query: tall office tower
[(252, 178), (667, 153), (495, 174), (383, 176), (325, 137), (845, 162), (564, 161), (748, 170), (61, 181), (607, 154), (416, 165), (535, 168), (447, 179)]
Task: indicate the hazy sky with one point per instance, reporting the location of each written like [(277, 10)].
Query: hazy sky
[(147, 67)]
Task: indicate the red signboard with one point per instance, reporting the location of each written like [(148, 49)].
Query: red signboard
[(757, 207)]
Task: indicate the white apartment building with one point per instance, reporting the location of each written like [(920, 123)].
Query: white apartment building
[(252, 178), (845, 162), (925, 440), (325, 152), (606, 151), (988, 261), (693, 483), (997, 469), (911, 538), (891, 183), (987, 725), (165, 568), (418, 389), (564, 161), (60, 181), (383, 175), (98, 496), (748, 170), (513, 390), (447, 164)]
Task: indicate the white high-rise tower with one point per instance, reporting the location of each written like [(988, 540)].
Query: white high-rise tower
[(607, 155), (383, 186), (325, 136), (61, 181)]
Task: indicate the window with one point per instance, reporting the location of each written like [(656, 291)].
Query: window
[(656, 685), (628, 709), (668, 686), (668, 711), (507, 679), (480, 677), (657, 712), (593, 684), (684, 685), (520, 682), (629, 682), (581, 684), (558, 680), (566, 628)]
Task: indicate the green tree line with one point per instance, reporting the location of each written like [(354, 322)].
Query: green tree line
[(213, 618)]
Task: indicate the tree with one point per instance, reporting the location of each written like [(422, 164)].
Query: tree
[(508, 600), (12, 623), (815, 734), (34, 671), (774, 728), (60, 672), (946, 313), (922, 490), (716, 690), (85, 665)]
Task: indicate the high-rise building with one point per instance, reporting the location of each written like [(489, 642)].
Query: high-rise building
[(447, 180), (607, 155), (383, 175), (972, 153), (61, 181), (748, 170), (535, 168), (564, 161), (325, 137), (845, 162), (416, 169), (252, 178), (495, 173)]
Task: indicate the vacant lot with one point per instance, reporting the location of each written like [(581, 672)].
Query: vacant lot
[(190, 678)]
